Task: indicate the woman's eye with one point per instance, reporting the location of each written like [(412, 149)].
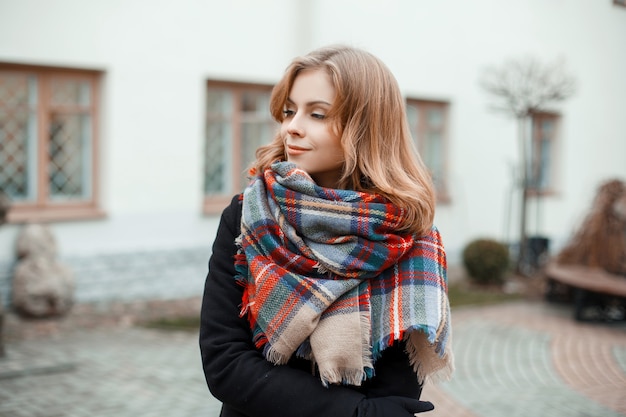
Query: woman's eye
[(318, 116), (288, 112)]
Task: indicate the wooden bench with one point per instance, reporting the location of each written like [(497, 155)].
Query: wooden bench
[(589, 288)]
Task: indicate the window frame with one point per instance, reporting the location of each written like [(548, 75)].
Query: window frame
[(442, 192), (44, 208), (215, 203)]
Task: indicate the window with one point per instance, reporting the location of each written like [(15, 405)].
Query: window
[(238, 121), (544, 128), (428, 121), (48, 142)]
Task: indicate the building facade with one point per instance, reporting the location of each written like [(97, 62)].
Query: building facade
[(126, 125)]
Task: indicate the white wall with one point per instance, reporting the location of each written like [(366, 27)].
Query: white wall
[(158, 54), (438, 50)]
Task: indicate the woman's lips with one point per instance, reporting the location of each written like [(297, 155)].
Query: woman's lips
[(295, 150)]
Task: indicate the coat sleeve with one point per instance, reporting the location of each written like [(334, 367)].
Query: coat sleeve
[(236, 372)]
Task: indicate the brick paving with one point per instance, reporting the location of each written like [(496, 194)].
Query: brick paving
[(125, 371), (514, 359), (532, 358)]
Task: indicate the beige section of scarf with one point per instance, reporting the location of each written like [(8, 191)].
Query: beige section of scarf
[(341, 348)]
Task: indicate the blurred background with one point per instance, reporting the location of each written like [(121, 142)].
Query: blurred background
[(126, 127)]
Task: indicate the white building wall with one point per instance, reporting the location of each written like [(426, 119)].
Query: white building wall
[(157, 55), (438, 50)]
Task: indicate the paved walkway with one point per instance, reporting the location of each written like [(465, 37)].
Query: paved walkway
[(516, 359)]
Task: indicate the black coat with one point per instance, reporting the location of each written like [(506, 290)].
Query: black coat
[(247, 384)]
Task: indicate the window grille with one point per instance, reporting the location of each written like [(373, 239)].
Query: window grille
[(48, 142)]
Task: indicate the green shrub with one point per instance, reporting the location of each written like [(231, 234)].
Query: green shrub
[(486, 261)]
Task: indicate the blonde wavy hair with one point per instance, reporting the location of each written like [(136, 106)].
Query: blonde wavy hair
[(369, 115)]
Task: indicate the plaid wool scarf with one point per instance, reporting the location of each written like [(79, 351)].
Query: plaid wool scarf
[(326, 277)]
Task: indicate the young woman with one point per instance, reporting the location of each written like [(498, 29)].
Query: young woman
[(327, 293)]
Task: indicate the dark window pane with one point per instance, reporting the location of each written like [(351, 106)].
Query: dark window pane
[(70, 136), (216, 161), (18, 129)]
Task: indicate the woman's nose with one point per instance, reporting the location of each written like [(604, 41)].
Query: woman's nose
[(294, 127)]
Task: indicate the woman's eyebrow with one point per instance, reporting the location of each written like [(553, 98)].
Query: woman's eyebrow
[(311, 103)]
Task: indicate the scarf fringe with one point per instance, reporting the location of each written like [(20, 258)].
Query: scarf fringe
[(343, 376), (428, 364), (321, 268), (275, 356)]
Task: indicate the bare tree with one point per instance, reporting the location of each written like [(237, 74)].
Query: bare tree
[(520, 88)]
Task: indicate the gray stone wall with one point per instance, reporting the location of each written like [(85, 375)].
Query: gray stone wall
[(133, 276)]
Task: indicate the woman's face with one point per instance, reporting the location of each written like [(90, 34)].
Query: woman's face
[(310, 141)]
